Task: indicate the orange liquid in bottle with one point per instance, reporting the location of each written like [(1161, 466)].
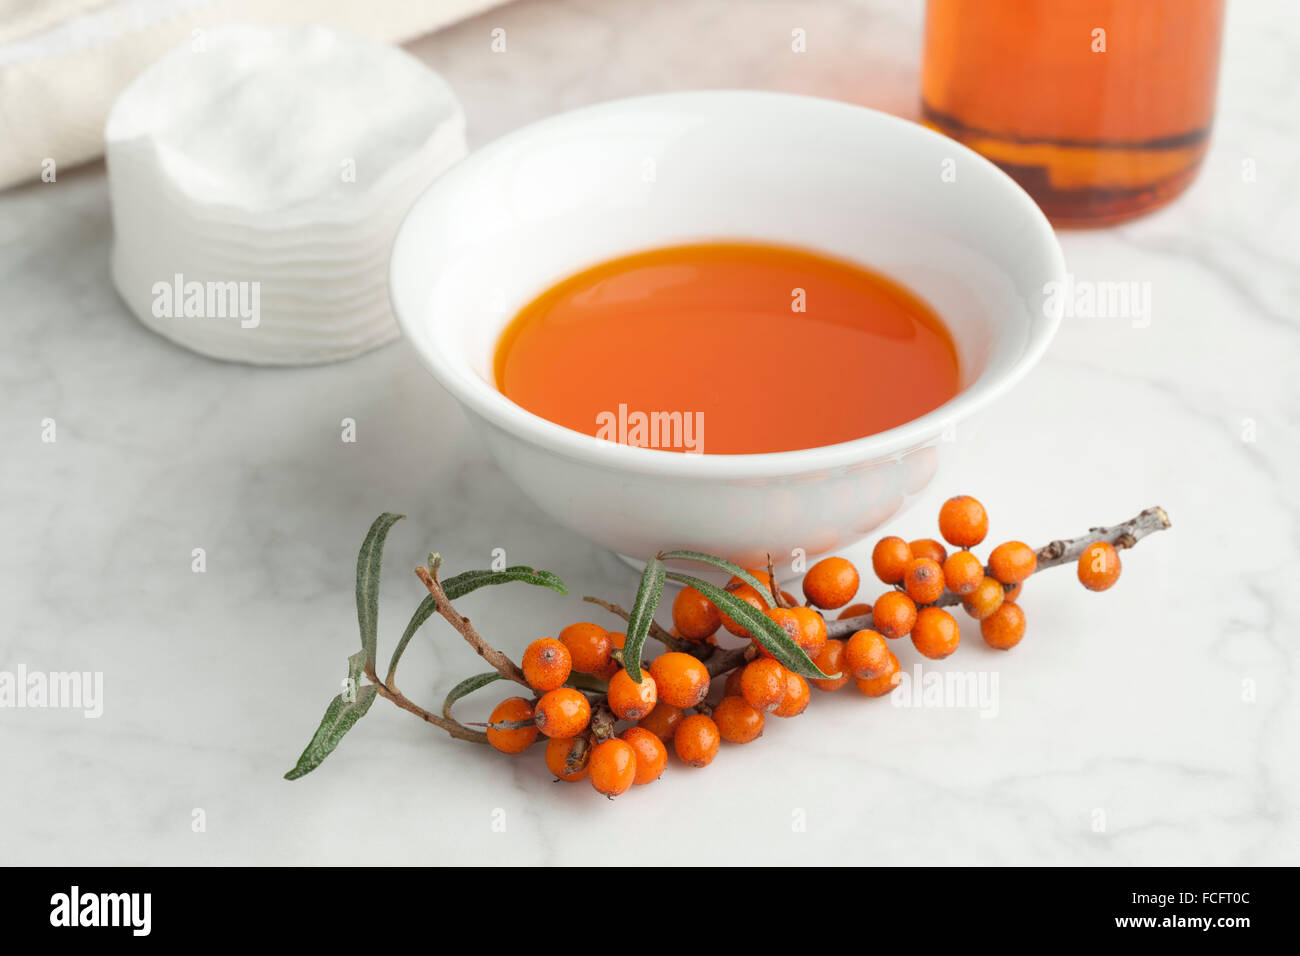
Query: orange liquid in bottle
[(1100, 109), (714, 333)]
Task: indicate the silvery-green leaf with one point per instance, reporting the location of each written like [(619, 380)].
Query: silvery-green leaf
[(467, 687), (642, 615), (467, 581), (722, 564), (341, 715), (369, 560), (761, 627)]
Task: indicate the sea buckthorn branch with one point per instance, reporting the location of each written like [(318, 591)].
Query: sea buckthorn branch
[(453, 727), (354, 702), (502, 663), (778, 599), (729, 660), (582, 685), (1121, 536), (1126, 534)]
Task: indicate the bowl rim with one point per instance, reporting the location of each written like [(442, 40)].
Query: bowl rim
[(484, 400)]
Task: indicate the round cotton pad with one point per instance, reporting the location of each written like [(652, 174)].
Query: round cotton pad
[(269, 155)]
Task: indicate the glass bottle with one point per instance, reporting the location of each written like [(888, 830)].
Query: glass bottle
[(1100, 109)]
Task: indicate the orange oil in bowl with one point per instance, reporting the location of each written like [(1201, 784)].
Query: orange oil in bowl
[(727, 348)]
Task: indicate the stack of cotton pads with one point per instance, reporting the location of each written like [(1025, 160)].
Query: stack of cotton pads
[(257, 177)]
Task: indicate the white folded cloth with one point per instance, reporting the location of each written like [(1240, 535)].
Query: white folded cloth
[(63, 62)]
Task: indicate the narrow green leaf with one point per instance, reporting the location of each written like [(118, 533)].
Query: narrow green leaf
[(465, 688), (764, 630), (586, 682), (511, 724), (467, 581), (642, 615), (422, 613), (369, 559), (339, 718), (356, 664), (721, 564)]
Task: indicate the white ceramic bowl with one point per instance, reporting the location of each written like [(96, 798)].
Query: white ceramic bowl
[(568, 192)]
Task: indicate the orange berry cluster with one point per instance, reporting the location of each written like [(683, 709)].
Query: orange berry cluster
[(671, 684), (660, 705), (922, 571)]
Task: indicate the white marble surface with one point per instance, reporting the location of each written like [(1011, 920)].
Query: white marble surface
[(1130, 703)]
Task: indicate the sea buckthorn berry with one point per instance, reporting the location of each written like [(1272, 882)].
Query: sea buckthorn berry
[(763, 578), (682, 679), (929, 548), (558, 750), (546, 664), (758, 574), (962, 572), (831, 583), (732, 686), (628, 699), (797, 696), (812, 630), (662, 721), (612, 767), (651, 754), (890, 558), (866, 654), (617, 640), (563, 712), (738, 722), (512, 741), (985, 599), (1014, 593), (831, 661), (924, 580), (1005, 627), (886, 682), (963, 521), (894, 614), (589, 646), (763, 684), (696, 740), (694, 615), (1099, 566), (1012, 561), (853, 610), (758, 602), (788, 621), (936, 634)]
